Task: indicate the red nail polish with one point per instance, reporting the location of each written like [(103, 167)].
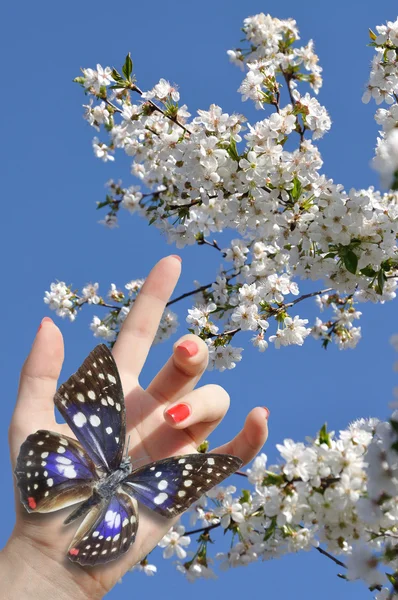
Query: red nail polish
[(177, 257), (188, 348), (267, 411), (43, 321), (179, 412)]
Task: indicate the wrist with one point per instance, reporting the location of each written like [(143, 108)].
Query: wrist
[(28, 572)]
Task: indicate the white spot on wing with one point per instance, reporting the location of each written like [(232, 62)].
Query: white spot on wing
[(95, 421), (63, 460), (160, 498), (79, 419)]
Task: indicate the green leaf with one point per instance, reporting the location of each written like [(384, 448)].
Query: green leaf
[(394, 185), (204, 447), (271, 530), (368, 271), (381, 279), (80, 80), (128, 67), (245, 497), (350, 260), (372, 35), (116, 76), (330, 255), (273, 479), (394, 425), (324, 437), (297, 188), (232, 150)]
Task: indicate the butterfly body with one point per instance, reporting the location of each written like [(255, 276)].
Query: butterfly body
[(54, 471), (108, 485)]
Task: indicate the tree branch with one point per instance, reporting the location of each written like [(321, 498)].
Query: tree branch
[(135, 88), (305, 296), (203, 529), (333, 558), (192, 293)]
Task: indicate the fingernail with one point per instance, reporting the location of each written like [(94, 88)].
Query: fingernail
[(46, 319), (267, 411), (177, 257), (188, 348), (179, 412)]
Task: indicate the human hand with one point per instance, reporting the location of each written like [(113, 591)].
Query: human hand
[(34, 560)]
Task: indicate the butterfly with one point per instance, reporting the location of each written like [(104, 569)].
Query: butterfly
[(54, 471)]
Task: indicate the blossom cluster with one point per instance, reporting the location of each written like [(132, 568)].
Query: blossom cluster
[(67, 302), (262, 182), (336, 494), (383, 87)]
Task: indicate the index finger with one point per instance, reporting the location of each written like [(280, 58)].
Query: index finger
[(139, 329)]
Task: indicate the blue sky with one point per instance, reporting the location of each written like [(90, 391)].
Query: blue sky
[(51, 181)]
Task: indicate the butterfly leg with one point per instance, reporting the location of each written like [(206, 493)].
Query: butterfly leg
[(84, 508)]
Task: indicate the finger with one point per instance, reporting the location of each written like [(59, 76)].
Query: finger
[(140, 327), (200, 412), (182, 371), (38, 382), (249, 441)]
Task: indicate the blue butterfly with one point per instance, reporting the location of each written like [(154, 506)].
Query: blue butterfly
[(54, 471)]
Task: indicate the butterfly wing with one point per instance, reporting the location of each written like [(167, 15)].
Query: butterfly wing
[(171, 485), (107, 532), (53, 471), (92, 403)]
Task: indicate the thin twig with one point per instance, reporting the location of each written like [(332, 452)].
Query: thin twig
[(333, 558), (241, 473), (192, 293), (203, 529), (305, 296), (135, 88), (301, 128), (213, 244)]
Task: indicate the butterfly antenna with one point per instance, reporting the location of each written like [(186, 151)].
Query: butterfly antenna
[(127, 447)]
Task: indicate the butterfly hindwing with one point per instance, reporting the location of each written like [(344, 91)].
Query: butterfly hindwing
[(53, 471), (107, 532), (92, 403), (171, 485)]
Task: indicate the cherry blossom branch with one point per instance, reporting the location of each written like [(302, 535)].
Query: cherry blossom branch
[(203, 529), (300, 128), (333, 558), (208, 528), (135, 88), (202, 288), (305, 296)]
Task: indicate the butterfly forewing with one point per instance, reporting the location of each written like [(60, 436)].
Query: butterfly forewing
[(171, 485), (92, 404), (107, 531), (53, 471)]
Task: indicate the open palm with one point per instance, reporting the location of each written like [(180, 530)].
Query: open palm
[(154, 424)]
